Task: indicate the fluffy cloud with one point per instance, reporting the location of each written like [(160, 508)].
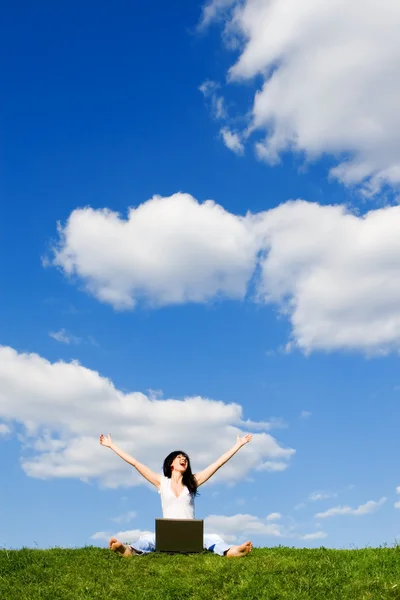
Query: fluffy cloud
[(330, 80), (363, 509), (127, 537), (334, 274), (232, 140), (233, 529), (167, 251), (239, 527), (244, 525), (274, 516), (61, 408)]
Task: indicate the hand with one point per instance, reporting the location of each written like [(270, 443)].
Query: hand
[(241, 441), (106, 441)]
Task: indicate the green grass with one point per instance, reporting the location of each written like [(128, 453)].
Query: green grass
[(276, 573)]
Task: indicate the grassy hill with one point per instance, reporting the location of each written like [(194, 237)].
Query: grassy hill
[(271, 574)]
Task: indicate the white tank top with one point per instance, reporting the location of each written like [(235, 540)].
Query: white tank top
[(181, 507)]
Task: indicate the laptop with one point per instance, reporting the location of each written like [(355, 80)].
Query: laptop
[(179, 535)]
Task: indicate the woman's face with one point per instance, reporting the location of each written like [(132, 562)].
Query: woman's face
[(179, 463)]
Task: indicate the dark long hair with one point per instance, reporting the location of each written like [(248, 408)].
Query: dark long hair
[(188, 478)]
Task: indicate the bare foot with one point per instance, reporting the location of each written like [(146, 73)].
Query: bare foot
[(120, 548), (237, 551)]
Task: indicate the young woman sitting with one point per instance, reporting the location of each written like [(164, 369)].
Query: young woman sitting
[(177, 487)]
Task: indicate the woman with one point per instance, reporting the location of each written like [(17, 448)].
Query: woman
[(178, 488)]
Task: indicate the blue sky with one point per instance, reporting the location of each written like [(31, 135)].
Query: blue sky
[(199, 238)]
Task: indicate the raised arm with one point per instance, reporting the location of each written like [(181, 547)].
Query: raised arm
[(204, 475), (143, 470)]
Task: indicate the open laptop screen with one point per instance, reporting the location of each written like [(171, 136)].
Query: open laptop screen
[(179, 535)]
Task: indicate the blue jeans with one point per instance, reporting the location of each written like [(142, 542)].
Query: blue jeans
[(212, 541)]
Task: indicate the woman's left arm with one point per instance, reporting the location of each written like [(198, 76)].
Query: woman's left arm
[(204, 475)]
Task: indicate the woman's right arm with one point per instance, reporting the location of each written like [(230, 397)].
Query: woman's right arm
[(143, 470)]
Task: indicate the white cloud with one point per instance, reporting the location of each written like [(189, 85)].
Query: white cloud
[(363, 509), (126, 537), (334, 274), (232, 140), (4, 429), (330, 80), (126, 517), (398, 489), (317, 535), (232, 529), (64, 337), (168, 251), (315, 496), (244, 525), (274, 516), (61, 408)]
